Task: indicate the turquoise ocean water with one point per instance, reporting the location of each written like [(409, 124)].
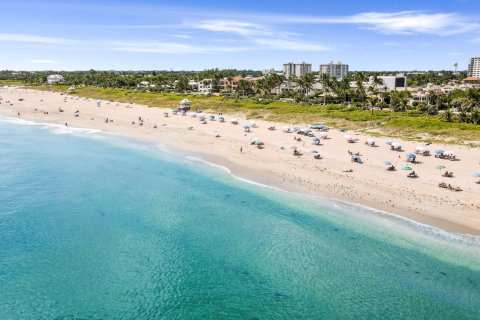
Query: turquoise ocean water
[(97, 226)]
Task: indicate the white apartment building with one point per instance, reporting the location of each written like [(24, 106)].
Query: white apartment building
[(296, 69), (205, 85), (54, 78), (474, 67), (392, 83), (337, 70)]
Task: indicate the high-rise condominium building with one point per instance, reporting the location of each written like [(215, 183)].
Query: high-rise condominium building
[(474, 67), (296, 69), (337, 70)]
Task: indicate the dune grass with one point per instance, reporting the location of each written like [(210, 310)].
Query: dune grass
[(10, 83), (410, 125)]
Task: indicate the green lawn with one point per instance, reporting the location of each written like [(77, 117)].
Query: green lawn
[(408, 125)]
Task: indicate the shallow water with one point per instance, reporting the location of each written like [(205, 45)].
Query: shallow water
[(96, 226)]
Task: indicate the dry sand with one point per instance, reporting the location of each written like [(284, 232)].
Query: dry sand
[(369, 184)]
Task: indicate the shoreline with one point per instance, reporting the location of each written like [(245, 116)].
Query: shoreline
[(271, 166)]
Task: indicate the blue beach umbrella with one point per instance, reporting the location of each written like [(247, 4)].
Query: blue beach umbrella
[(313, 151), (386, 162), (212, 117), (389, 143), (411, 155), (407, 168), (439, 151), (475, 174)]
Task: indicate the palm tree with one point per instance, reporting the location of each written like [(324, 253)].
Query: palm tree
[(373, 102), (343, 86), (243, 86), (360, 77), (306, 82), (326, 82)]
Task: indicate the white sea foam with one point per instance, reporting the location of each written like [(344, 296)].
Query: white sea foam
[(52, 127), (210, 164)]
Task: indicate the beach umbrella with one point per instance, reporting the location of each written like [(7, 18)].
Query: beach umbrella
[(370, 140), (313, 151), (407, 168), (253, 124), (439, 151), (315, 139), (448, 153), (411, 155), (296, 128), (347, 136), (286, 129), (389, 142), (246, 126), (212, 117), (440, 167), (475, 174), (221, 119), (386, 162)]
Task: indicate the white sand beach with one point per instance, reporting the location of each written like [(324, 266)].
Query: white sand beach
[(334, 175)]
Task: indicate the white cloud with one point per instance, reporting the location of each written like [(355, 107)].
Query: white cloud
[(260, 36), (168, 47), (28, 38), (403, 22), (42, 61), (292, 45), (238, 27)]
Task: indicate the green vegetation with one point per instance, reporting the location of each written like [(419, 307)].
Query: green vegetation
[(10, 82), (413, 124)]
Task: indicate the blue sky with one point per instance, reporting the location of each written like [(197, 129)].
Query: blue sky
[(196, 35)]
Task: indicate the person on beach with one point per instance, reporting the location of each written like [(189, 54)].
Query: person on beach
[(66, 124), (241, 149)]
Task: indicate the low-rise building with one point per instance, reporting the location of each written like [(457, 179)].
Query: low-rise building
[(394, 83), (55, 78)]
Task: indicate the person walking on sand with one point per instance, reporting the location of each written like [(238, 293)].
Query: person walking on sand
[(241, 149)]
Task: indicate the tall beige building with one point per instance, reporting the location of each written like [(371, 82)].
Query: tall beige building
[(296, 69), (474, 67), (337, 70)]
